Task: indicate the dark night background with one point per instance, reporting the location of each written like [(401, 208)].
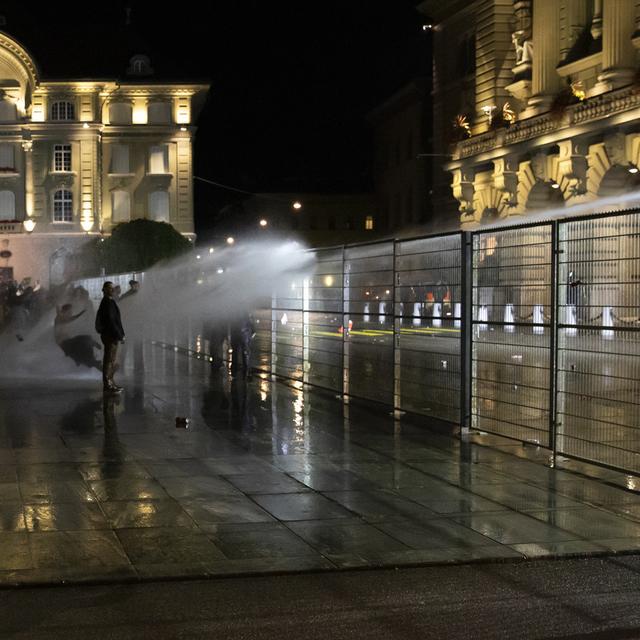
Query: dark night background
[(291, 81)]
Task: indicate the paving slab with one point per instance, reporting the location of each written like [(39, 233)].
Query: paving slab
[(270, 477)]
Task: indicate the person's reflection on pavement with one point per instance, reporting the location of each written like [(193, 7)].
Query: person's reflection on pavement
[(111, 448), (240, 406), (81, 420), (215, 402)]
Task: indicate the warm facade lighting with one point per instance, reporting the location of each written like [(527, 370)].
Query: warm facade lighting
[(86, 224), (368, 223), (554, 185), (632, 168), (29, 225)]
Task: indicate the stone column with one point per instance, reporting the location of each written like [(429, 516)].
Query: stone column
[(618, 53), (546, 55), (27, 146)]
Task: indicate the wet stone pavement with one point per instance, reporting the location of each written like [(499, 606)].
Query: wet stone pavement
[(269, 478)]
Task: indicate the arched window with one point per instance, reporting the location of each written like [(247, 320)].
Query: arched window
[(7, 111), (63, 206), (7, 162), (159, 113), (7, 205), (120, 206), (120, 113), (159, 206), (63, 110)]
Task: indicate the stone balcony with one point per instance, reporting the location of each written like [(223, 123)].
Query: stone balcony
[(11, 226), (574, 121)]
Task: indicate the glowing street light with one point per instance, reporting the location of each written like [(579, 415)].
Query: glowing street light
[(230, 240), (263, 223), (210, 250), (297, 205)]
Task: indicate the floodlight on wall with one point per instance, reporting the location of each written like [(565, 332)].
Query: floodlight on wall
[(29, 225), (632, 168), (86, 224), (554, 185)]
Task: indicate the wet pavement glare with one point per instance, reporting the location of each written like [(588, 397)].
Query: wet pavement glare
[(269, 477)]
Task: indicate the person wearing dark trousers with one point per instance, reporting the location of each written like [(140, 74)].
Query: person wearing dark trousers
[(109, 326), (242, 333)]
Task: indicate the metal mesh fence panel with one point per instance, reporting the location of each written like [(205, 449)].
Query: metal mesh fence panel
[(511, 332), (368, 321), (323, 330), (598, 380), (428, 322), (287, 329)]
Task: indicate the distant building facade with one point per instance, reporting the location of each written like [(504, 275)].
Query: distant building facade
[(79, 157), (537, 101), (315, 219), (401, 131)]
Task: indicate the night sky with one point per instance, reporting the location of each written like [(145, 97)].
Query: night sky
[(291, 80)]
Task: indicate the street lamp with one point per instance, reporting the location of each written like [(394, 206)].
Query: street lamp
[(230, 240), (263, 223), (297, 205)]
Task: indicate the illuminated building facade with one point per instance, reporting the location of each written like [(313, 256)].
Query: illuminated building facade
[(79, 157), (537, 101)]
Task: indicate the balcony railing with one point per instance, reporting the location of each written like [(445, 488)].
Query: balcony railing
[(11, 226), (596, 108)]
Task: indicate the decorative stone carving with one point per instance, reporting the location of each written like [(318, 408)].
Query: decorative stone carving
[(615, 147), (539, 167), (505, 179), (463, 190), (524, 48), (573, 165)]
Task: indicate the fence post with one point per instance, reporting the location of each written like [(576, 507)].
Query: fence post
[(553, 342), (466, 366)]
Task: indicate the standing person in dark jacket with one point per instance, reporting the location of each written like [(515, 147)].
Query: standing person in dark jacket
[(109, 326)]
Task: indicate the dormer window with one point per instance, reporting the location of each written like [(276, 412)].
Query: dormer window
[(140, 65), (63, 110)]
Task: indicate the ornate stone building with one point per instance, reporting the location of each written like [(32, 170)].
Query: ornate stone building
[(79, 157), (545, 113)]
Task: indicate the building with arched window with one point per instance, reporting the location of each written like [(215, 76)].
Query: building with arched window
[(546, 116), (79, 157)]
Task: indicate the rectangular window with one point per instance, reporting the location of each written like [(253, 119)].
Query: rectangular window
[(119, 158), (120, 206), (368, 223), (63, 206), (159, 159), (62, 157)]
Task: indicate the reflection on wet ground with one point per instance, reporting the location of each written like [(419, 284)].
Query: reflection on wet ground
[(268, 478)]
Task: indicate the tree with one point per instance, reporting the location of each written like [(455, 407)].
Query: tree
[(132, 246)]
